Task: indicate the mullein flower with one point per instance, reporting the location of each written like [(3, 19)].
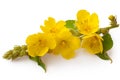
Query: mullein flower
[(86, 23), (66, 44), (53, 27), (39, 44), (92, 43)]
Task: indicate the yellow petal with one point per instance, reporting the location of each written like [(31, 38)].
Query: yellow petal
[(64, 34), (60, 24), (43, 51), (82, 15), (36, 50), (50, 22), (75, 43), (31, 39), (43, 28), (51, 43), (56, 51), (94, 22), (68, 54)]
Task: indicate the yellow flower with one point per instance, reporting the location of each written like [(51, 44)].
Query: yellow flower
[(66, 44), (39, 44), (53, 27), (92, 43), (86, 23)]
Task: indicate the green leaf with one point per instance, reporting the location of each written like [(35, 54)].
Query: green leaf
[(104, 56), (107, 42), (39, 62), (70, 24)]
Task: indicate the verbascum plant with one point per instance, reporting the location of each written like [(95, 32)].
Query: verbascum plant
[(64, 37)]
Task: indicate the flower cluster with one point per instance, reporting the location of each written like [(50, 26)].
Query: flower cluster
[(55, 38), (64, 37)]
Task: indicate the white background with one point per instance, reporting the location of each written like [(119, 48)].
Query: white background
[(20, 18)]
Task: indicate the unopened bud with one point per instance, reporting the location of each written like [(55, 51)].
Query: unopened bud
[(24, 47), (111, 17), (8, 55)]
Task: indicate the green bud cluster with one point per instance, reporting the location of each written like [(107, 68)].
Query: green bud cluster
[(18, 51), (113, 21)]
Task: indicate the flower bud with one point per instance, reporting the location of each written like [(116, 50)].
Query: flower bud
[(111, 17)]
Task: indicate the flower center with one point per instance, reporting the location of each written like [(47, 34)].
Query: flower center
[(53, 30), (41, 43), (63, 43)]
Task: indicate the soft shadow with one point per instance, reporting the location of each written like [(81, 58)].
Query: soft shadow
[(21, 59), (50, 59)]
